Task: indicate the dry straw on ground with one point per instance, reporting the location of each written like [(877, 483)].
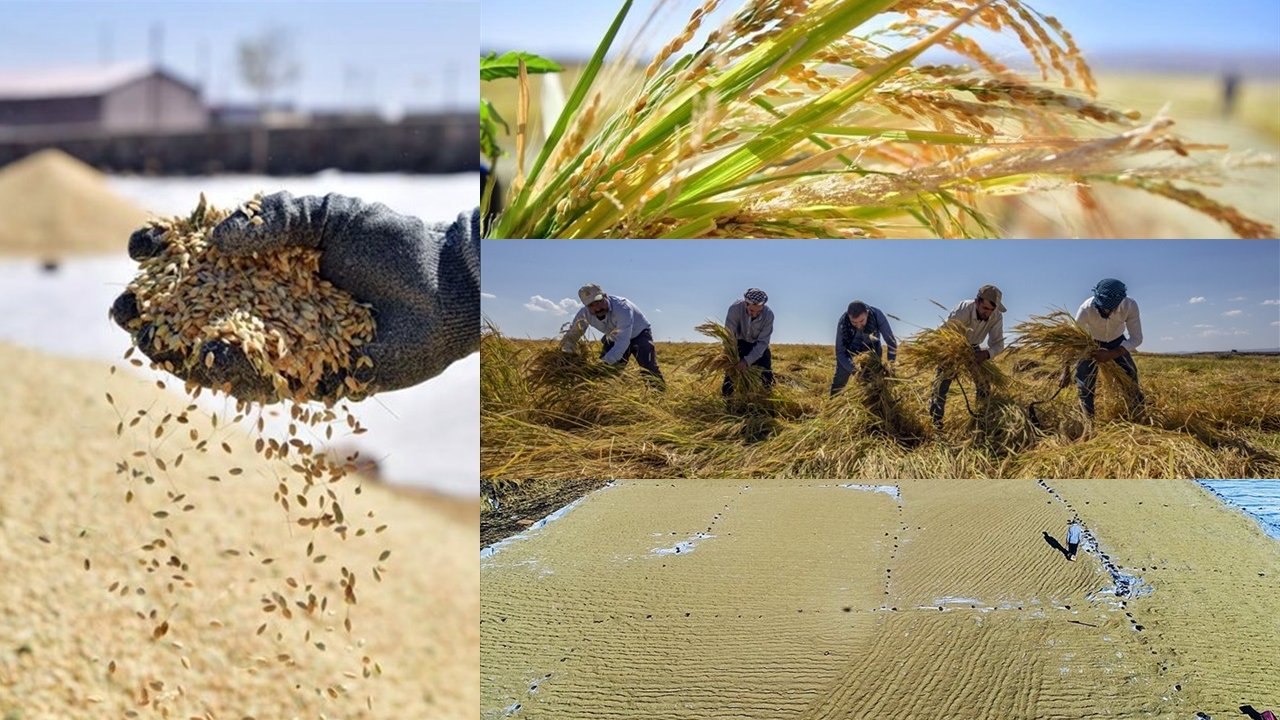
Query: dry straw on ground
[(818, 119)]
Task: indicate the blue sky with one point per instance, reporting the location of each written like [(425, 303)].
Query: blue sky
[(1194, 295), (393, 55), (1178, 26)]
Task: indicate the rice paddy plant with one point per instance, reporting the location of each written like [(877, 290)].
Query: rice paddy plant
[(946, 349), (809, 118), (1127, 450), (879, 394), (1003, 426), (502, 382), (614, 426)]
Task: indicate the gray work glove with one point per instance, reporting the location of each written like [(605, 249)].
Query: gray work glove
[(423, 282)]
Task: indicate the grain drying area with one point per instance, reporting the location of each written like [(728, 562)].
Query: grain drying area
[(921, 598), (170, 551), (154, 607)]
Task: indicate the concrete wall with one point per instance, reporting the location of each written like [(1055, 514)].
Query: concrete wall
[(434, 144)]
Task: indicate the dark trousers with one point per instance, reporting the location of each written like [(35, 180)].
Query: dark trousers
[(841, 378), (646, 355), (938, 403), (1087, 375), (764, 362), (1071, 549)]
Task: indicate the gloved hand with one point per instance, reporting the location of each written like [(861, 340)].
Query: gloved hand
[(423, 282)]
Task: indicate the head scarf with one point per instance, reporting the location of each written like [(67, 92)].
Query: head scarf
[(1108, 294), (755, 296)]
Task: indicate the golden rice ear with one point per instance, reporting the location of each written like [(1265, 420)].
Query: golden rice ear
[(800, 120)]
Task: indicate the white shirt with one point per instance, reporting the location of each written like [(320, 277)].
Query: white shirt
[(977, 330), (1124, 319)]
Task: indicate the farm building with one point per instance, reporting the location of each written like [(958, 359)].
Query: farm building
[(78, 101)]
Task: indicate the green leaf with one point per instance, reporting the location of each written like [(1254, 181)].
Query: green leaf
[(489, 122), (575, 101), (507, 65)]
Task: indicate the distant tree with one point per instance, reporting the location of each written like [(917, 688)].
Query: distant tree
[(267, 63)]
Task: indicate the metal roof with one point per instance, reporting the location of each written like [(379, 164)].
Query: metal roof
[(73, 81)]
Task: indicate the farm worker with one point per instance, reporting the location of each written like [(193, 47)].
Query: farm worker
[(625, 329), (751, 324), (422, 281), (1073, 538), (982, 319), (1108, 314), (860, 329)]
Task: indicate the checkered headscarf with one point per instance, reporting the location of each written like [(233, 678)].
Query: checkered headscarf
[(755, 296), (1108, 293)]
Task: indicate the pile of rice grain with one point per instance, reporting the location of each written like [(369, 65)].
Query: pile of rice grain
[(294, 327), (53, 205)]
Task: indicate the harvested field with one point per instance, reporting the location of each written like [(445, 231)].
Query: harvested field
[(1205, 416), (925, 598), (84, 571)]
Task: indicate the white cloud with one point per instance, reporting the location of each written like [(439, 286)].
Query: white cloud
[(1202, 326), (537, 303), (1276, 323), (1223, 333), (657, 309), (1271, 302), (1237, 298), (1233, 313), (1167, 337), (488, 296), (1196, 300)]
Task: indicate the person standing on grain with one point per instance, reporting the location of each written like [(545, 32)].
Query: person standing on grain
[(982, 319), (625, 329), (1108, 315), (751, 324), (1074, 531)]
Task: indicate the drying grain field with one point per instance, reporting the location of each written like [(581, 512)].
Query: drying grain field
[(921, 598), (1206, 417), (192, 597)]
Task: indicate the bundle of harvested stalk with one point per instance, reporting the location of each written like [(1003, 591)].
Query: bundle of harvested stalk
[(878, 394), (723, 359), (297, 330), (1058, 339), (947, 349)]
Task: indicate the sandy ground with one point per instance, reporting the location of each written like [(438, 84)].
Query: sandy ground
[(811, 600), (73, 647)]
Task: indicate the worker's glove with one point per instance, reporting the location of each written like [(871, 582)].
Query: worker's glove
[(422, 281)]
